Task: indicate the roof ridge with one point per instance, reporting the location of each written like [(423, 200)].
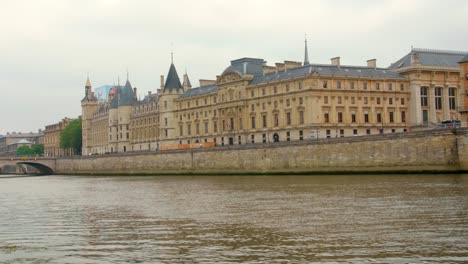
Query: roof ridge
[(450, 52)]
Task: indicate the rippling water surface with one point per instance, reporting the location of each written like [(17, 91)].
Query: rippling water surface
[(248, 219)]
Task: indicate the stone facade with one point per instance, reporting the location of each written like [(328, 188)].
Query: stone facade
[(251, 102), (52, 139)]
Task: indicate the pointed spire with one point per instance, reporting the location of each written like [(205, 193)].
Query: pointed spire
[(127, 73), (172, 80), (306, 54), (186, 84), (172, 53), (88, 83)]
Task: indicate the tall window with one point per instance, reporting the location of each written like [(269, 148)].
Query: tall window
[(324, 84), (339, 99), (423, 96), (206, 127), (189, 129), (301, 117), (366, 101), (181, 128), (338, 85), (378, 100), (402, 101), (438, 97), (366, 117), (197, 128), (264, 119), (452, 98), (288, 119), (353, 117), (325, 99), (379, 117), (364, 86), (403, 116), (215, 126), (276, 120), (390, 117), (351, 85), (377, 86), (390, 87), (390, 101), (340, 117), (253, 121), (326, 118)]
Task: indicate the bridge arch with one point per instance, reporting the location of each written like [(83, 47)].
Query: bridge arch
[(43, 169)]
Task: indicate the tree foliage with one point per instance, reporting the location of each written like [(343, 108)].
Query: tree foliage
[(71, 136), (23, 151), (34, 150)]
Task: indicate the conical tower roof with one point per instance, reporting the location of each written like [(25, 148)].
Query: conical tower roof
[(186, 81), (88, 83), (172, 81)]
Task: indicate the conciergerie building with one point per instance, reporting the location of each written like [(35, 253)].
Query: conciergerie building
[(251, 102)]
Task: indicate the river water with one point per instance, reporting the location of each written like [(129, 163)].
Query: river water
[(234, 219)]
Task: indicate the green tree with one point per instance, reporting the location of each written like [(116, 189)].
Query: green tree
[(71, 136), (37, 149), (24, 151)]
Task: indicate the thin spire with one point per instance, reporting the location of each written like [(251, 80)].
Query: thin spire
[(88, 83), (127, 73), (306, 53), (172, 53)]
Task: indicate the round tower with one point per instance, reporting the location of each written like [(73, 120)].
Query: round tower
[(170, 90)]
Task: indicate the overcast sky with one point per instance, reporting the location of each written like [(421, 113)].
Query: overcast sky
[(47, 48)]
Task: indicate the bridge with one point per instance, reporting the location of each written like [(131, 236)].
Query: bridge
[(42, 165)]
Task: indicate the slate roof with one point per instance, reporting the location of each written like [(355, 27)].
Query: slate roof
[(200, 91), (172, 81), (123, 96), (464, 59), (436, 58), (188, 84), (326, 70), (246, 66), (152, 98)]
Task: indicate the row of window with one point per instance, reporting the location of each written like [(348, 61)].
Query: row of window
[(391, 117), (365, 99), (365, 86), (438, 97)]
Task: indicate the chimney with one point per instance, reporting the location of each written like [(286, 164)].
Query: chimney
[(335, 61), (162, 81), (292, 64), (372, 63), (268, 69), (204, 82), (279, 66), (149, 93)]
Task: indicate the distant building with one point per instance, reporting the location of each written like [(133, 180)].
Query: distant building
[(52, 139), (251, 102), (10, 142)]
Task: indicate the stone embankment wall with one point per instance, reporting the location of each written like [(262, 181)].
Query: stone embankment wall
[(439, 150)]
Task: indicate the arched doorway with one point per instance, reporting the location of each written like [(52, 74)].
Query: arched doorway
[(275, 137)]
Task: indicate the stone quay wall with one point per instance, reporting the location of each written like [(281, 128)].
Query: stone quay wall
[(422, 151)]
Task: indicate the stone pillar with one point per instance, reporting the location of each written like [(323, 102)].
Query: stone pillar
[(415, 112), (431, 103), (445, 103)]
